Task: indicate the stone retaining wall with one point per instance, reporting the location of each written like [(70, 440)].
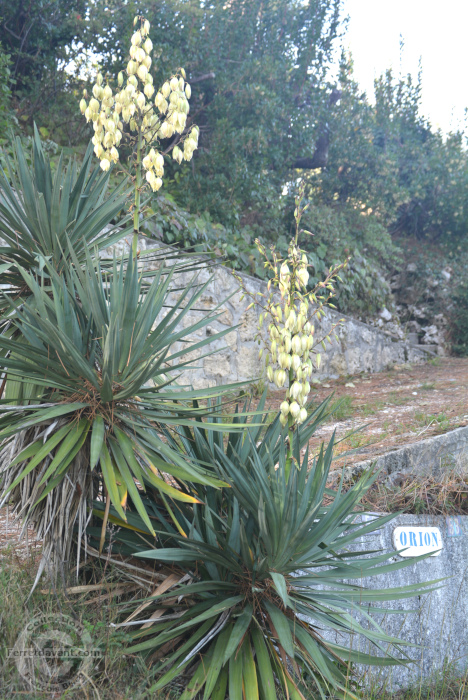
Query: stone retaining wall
[(361, 348), (438, 623)]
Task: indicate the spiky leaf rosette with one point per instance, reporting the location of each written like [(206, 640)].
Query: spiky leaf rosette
[(266, 565), (42, 212), (95, 350)]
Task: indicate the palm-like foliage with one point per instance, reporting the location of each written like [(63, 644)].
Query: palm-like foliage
[(267, 563), (42, 212), (94, 351)]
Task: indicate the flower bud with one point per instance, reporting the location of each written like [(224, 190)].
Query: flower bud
[(294, 409), (284, 408), (133, 125), (174, 84), (108, 140), (302, 415), (140, 55), (166, 90), (166, 130), (118, 137), (107, 92), (149, 90), (188, 91), (140, 100), (310, 342), (177, 154), (146, 26), (97, 91), (181, 122), (148, 45), (291, 320), (120, 79), (295, 362), (147, 63), (131, 68), (295, 390), (283, 420), (114, 154), (296, 344), (83, 106), (279, 377), (284, 272), (303, 276), (136, 39), (270, 373), (159, 160), (287, 343), (142, 72), (283, 360), (105, 164), (85, 94), (99, 79)]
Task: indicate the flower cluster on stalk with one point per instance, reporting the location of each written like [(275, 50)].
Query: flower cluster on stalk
[(148, 119), (291, 336), (291, 355)]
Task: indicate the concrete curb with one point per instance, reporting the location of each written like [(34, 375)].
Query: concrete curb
[(425, 457)]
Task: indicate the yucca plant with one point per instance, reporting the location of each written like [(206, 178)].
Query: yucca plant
[(42, 212), (258, 573), (88, 391)]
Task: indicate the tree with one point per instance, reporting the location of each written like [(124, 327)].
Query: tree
[(257, 70), (37, 34)]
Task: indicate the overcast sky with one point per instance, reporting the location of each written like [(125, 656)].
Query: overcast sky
[(433, 30)]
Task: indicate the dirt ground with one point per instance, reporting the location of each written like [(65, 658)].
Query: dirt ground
[(393, 408)]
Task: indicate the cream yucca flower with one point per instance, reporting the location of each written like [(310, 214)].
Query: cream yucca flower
[(131, 103)]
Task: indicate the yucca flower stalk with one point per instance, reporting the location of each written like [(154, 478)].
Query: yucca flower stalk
[(134, 115), (289, 308)]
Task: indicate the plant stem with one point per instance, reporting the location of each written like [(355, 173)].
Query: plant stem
[(289, 456), (136, 213)]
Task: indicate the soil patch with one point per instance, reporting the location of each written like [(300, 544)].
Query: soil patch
[(391, 409)]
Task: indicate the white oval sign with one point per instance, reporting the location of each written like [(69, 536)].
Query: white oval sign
[(417, 540)]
